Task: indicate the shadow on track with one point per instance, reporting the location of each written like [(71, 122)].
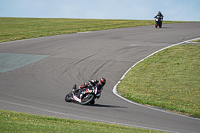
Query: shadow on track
[(98, 105), (110, 106), (166, 27)]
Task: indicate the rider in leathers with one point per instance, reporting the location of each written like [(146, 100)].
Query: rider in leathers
[(91, 83), (159, 14)]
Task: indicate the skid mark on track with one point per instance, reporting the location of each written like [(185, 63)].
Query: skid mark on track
[(98, 69), (84, 59)]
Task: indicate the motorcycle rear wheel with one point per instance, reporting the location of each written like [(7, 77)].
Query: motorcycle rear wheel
[(68, 97), (87, 98)]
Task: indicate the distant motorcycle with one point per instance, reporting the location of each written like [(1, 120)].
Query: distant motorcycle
[(158, 21), (85, 96)]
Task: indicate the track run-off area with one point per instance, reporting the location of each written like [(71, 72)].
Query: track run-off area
[(36, 74)]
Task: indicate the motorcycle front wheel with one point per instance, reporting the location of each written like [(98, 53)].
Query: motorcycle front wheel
[(87, 98), (68, 97)]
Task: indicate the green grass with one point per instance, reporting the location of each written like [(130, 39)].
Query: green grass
[(24, 28), (169, 79), (21, 122), (198, 40)]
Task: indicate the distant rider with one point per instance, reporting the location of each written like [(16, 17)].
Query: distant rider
[(91, 83), (159, 14)]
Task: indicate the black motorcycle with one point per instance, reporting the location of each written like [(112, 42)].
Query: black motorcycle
[(158, 21), (84, 96)]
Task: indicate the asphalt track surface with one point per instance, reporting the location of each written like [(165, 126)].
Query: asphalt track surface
[(55, 63)]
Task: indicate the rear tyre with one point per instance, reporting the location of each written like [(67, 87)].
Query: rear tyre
[(160, 24), (87, 98), (68, 97), (92, 102)]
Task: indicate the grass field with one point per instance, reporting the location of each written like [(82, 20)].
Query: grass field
[(24, 28), (168, 79), (21, 122)]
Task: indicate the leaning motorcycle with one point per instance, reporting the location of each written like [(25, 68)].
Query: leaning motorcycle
[(158, 21), (84, 96)]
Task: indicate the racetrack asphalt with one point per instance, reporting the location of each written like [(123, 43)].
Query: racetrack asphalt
[(57, 62)]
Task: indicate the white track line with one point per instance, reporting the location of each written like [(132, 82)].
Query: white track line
[(115, 87)]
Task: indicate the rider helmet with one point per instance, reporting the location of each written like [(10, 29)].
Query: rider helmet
[(102, 81)]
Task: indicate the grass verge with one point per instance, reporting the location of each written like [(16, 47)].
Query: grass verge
[(198, 40), (12, 29), (20, 122), (168, 79)]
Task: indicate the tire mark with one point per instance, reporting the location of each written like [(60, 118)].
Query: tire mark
[(98, 69)]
